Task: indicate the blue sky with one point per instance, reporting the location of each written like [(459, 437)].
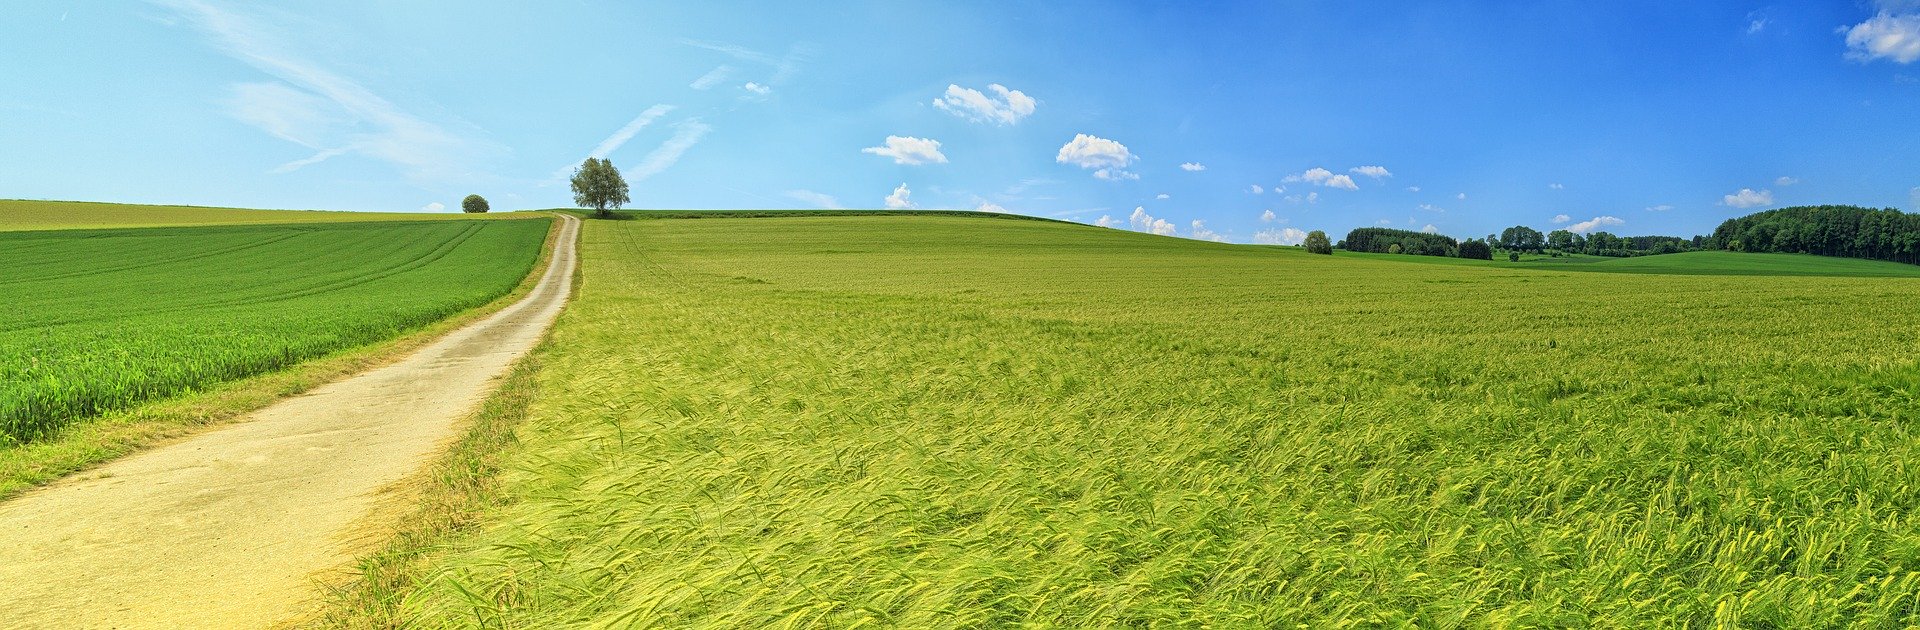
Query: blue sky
[(1249, 122)]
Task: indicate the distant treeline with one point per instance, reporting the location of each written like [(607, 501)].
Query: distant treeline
[(1606, 244), (1848, 231), (1385, 240)]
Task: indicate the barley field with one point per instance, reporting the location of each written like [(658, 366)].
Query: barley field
[(98, 320), (966, 422)]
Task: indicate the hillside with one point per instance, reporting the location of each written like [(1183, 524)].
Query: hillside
[(952, 422)]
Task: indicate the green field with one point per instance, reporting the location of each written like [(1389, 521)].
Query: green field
[(98, 320), (950, 422), (18, 214), (1704, 263)]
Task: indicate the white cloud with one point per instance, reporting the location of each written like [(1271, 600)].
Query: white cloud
[(910, 150), (1087, 151), (1659, 208), (1376, 172), (326, 112), (757, 88), (1461, 196), (900, 198), (819, 200), (1313, 197), (685, 135), (1256, 189), (1280, 236), (1268, 216), (712, 78), (1201, 232), (1413, 189), (1561, 218), (1595, 223), (1886, 35), (1009, 108), (434, 207), (1111, 158), (1384, 222), (1107, 221), (1193, 167), (988, 206), (1141, 221), (1747, 198), (1432, 208), (1784, 181), (1556, 186), (1324, 177), (1755, 26), (1430, 229), (1162, 196)]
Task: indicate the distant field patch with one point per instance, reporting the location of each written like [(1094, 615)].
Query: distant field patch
[(65, 215), (103, 319)]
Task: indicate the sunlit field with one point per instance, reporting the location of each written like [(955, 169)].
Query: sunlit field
[(947, 422), (99, 320)]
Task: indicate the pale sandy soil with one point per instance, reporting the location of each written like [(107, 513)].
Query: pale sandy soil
[(229, 529)]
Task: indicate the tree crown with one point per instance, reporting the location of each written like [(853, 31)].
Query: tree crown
[(598, 185)]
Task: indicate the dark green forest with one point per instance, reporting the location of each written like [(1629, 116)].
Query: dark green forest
[(1846, 231), (1384, 240)]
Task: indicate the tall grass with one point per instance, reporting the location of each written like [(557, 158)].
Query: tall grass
[(938, 422), (104, 319)]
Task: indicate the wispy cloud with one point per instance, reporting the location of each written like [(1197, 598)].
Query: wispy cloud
[(619, 138), (685, 134), (626, 132), (712, 77), (325, 111), (819, 200), (783, 67), (1192, 167)]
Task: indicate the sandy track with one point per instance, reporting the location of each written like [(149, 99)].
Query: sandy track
[(226, 529)]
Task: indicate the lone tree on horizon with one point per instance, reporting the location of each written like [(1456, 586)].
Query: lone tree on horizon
[(1317, 243), (598, 185), (474, 204)]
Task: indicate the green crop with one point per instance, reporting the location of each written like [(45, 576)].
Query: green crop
[(942, 422), (103, 319), (16, 214)]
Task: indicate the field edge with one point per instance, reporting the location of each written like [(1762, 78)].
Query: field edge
[(82, 446)]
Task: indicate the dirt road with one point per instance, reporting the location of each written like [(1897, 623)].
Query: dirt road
[(226, 529)]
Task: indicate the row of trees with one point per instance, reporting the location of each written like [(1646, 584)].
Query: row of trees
[(1521, 238), (1392, 241), (1849, 231)]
